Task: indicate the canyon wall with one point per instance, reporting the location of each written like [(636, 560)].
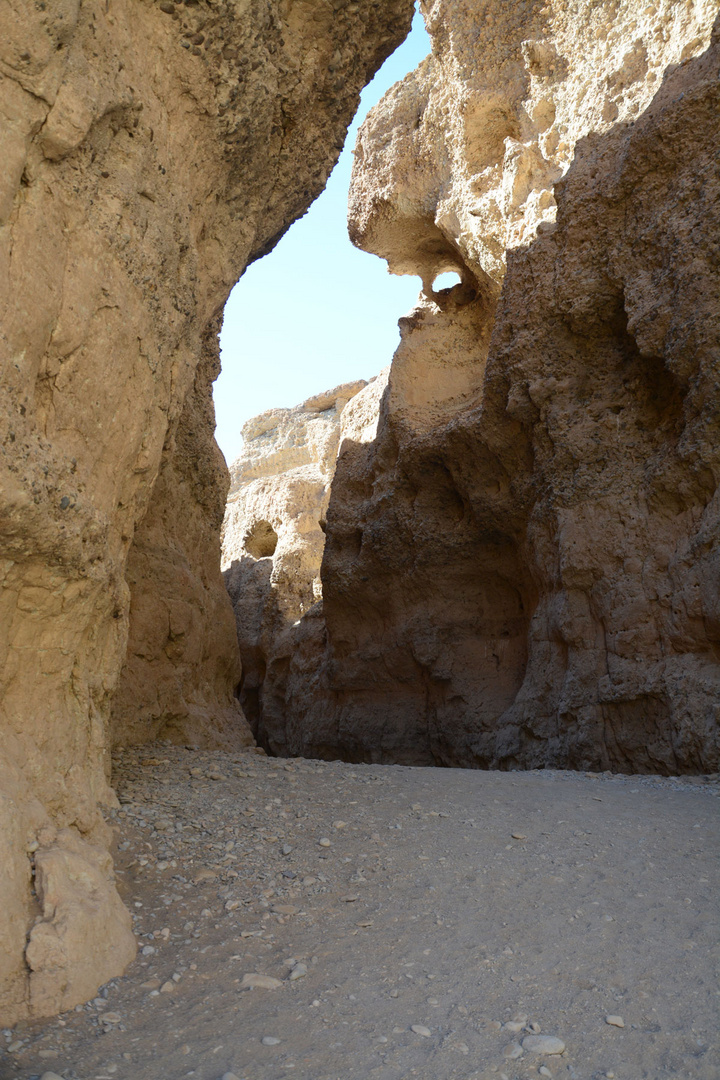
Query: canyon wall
[(523, 568), (274, 529), (182, 664), (151, 149)]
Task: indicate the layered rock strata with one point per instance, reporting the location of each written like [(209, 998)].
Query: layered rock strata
[(523, 568), (274, 528), (150, 151)]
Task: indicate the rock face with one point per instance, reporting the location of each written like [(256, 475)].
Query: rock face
[(274, 530), (523, 568), (150, 151), (182, 665)]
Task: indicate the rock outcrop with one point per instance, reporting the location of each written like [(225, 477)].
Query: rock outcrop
[(274, 529), (150, 151), (523, 568)]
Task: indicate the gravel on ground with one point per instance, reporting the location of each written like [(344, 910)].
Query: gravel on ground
[(329, 921)]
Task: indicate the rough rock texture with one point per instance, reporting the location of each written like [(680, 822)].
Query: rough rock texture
[(274, 528), (523, 569), (150, 151), (182, 664)]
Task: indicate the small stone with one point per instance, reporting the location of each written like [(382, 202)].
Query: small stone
[(514, 1026), (286, 849), (543, 1044), (232, 905), (350, 898), (270, 1040), (254, 981), (112, 1018), (544, 1071), (148, 950), (615, 1021), (324, 842), (50, 1076), (339, 824), (167, 987), (419, 1029), (518, 836), (285, 909), (513, 1050), (229, 1076), (298, 972)]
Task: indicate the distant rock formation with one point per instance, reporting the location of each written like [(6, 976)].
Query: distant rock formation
[(523, 568), (274, 529), (150, 151)]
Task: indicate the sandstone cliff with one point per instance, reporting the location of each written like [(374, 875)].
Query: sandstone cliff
[(523, 568), (274, 529), (150, 151)]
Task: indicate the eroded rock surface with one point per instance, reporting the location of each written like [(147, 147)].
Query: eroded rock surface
[(522, 568), (182, 664), (150, 151), (274, 529)]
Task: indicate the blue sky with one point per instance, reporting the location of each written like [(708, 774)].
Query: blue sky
[(315, 312)]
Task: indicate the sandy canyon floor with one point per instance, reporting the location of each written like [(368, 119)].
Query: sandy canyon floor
[(408, 922)]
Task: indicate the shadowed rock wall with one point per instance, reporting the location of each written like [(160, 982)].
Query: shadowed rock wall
[(522, 569), (150, 151), (182, 665)]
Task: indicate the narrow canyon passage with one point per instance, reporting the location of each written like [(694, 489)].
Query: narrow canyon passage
[(502, 552), (328, 921)]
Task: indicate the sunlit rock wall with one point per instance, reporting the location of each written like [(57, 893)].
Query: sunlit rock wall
[(150, 151), (274, 531)]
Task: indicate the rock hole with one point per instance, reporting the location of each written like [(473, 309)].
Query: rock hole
[(447, 280), (261, 541)]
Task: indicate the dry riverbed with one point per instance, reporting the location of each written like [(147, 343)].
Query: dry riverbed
[(327, 921)]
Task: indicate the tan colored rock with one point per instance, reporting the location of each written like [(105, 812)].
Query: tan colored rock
[(458, 164), (273, 533), (85, 932), (182, 665), (149, 153), (522, 568)]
